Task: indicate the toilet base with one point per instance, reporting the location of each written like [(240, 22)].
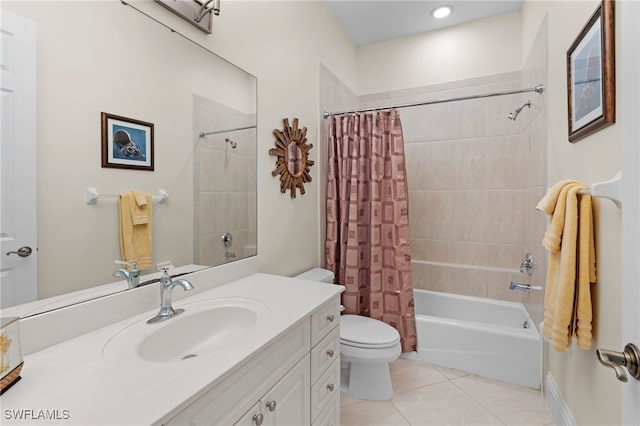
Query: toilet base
[(366, 381)]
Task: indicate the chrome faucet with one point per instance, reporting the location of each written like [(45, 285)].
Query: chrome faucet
[(132, 276), (166, 287), (527, 264)]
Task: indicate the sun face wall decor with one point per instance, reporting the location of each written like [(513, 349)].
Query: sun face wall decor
[(293, 164)]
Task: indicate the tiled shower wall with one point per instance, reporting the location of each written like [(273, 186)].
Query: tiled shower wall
[(469, 169), (334, 96), (224, 183)]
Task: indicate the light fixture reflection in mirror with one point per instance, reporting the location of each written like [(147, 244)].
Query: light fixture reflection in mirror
[(77, 243)]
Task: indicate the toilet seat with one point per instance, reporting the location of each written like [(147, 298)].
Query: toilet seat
[(368, 333)]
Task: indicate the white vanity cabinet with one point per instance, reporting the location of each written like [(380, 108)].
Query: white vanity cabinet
[(286, 403), (325, 365), (293, 381)]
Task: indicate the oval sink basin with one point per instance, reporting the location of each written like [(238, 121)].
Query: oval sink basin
[(205, 326)]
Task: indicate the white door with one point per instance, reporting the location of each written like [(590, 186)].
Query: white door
[(629, 120), (18, 272)]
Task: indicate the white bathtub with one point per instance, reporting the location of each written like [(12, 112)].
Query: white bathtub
[(490, 338)]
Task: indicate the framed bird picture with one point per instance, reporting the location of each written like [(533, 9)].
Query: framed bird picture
[(126, 143)]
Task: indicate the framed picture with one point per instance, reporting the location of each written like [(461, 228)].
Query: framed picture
[(126, 143), (591, 75)]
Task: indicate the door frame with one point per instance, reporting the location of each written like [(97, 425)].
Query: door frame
[(629, 119)]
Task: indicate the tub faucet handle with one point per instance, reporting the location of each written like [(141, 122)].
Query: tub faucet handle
[(527, 264)]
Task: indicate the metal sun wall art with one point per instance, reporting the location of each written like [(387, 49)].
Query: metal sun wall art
[(293, 164)]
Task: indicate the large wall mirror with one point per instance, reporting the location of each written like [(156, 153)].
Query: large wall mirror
[(95, 57)]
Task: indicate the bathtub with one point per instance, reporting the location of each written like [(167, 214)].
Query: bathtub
[(490, 338)]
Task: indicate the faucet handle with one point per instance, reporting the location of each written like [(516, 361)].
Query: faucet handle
[(134, 265)]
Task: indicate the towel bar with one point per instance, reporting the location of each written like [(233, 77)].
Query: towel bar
[(91, 195), (610, 189)]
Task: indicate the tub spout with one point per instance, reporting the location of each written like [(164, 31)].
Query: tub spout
[(525, 287)]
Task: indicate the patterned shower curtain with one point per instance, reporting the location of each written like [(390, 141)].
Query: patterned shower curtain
[(367, 244)]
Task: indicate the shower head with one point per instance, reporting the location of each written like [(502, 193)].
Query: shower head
[(230, 142), (513, 115)]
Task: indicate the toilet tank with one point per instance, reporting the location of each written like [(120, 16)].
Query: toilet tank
[(317, 275)]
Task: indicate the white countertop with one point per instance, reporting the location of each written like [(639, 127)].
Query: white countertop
[(74, 378)]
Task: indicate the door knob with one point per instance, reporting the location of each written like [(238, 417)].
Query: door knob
[(630, 358), (22, 251)]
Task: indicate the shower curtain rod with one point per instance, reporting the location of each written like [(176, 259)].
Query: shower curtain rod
[(203, 134), (538, 89)]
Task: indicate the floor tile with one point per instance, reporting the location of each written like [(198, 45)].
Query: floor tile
[(442, 404), (407, 374), (513, 405), (372, 413), (427, 394)]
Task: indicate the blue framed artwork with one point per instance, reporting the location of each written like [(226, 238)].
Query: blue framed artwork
[(126, 143), (591, 75)]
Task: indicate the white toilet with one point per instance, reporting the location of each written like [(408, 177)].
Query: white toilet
[(367, 346)]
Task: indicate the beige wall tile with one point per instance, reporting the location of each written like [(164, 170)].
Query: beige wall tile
[(420, 214), (506, 221), (504, 162)]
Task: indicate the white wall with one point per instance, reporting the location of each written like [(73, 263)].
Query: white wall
[(480, 48), (590, 390)]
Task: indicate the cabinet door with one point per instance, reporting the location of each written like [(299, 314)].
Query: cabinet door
[(288, 403), (251, 417)]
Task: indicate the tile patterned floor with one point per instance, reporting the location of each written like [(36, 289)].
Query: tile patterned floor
[(426, 394)]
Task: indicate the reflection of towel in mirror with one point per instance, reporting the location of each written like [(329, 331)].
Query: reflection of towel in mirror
[(569, 239), (135, 228), (140, 205)]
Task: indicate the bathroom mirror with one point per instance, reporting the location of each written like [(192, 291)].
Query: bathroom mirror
[(293, 164), (88, 63)]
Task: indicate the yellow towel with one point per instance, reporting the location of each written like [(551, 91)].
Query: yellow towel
[(586, 274), (140, 205), (569, 239), (555, 199), (135, 240)]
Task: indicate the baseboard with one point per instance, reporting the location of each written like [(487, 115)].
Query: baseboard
[(559, 410)]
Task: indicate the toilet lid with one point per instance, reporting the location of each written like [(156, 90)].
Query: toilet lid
[(362, 331)]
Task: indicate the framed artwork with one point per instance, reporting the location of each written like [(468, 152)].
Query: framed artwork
[(126, 143), (591, 75)]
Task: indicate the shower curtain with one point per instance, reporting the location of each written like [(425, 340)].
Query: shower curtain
[(367, 244)]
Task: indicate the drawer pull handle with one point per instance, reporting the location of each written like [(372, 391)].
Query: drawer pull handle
[(271, 405), (330, 318), (258, 419), (330, 387), (330, 353)]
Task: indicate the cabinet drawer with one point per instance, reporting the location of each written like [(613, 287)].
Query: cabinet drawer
[(325, 388), (324, 353), (330, 415), (324, 319)]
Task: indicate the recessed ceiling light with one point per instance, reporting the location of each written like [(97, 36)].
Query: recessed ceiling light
[(441, 12)]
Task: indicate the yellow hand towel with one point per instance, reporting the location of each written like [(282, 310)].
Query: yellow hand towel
[(586, 274), (561, 273), (140, 205), (548, 203), (554, 202), (569, 239), (135, 241)]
